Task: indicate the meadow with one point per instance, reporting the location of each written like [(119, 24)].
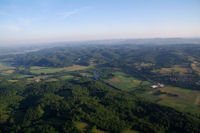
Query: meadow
[(124, 82), (50, 70)]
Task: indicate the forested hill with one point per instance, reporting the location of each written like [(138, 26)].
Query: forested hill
[(143, 61), (59, 106), (161, 55)]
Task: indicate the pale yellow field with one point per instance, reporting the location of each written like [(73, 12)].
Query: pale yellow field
[(179, 69)]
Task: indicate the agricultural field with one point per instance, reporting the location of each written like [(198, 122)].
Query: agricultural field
[(49, 70), (6, 69), (67, 77), (123, 81), (175, 69), (178, 98)]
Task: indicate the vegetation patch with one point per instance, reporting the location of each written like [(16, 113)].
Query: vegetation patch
[(172, 104), (197, 102), (123, 81), (51, 80), (95, 130), (67, 77), (37, 78), (19, 76), (4, 67), (81, 126), (13, 81), (174, 69), (50, 70), (10, 71), (114, 80), (183, 99), (130, 131)]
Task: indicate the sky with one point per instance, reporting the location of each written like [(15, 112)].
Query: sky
[(29, 21)]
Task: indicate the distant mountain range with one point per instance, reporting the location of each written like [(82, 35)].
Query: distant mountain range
[(18, 49)]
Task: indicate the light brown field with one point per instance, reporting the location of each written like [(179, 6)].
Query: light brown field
[(10, 71), (5, 69), (146, 64), (195, 68), (194, 65), (12, 81), (75, 67), (179, 69), (137, 81), (114, 80), (141, 65)]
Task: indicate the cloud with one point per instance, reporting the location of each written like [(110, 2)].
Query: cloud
[(75, 11), (12, 28), (69, 13)]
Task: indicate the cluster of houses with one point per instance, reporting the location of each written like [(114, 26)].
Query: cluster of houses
[(159, 85)]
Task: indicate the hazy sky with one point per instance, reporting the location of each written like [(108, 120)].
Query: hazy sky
[(66, 20)]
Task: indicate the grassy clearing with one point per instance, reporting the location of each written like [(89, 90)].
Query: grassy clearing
[(172, 104), (6, 69), (45, 70), (195, 65), (186, 100), (36, 78), (142, 65), (75, 68), (174, 69), (50, 70), (86, 74), (10, 71), (95, 130), (13, 81), (52, 80), (130, 131), (195, 68), (81, 126), (67, 77), (22, 76), (122, 81), (114, 80)]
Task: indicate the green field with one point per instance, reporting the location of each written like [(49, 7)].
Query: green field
[(124, 82), (6, 69), (20, 76), (50, 70), (186, 100), (51, 80), (67, 77)]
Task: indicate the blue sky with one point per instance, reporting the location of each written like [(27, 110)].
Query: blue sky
[(23, 21)]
